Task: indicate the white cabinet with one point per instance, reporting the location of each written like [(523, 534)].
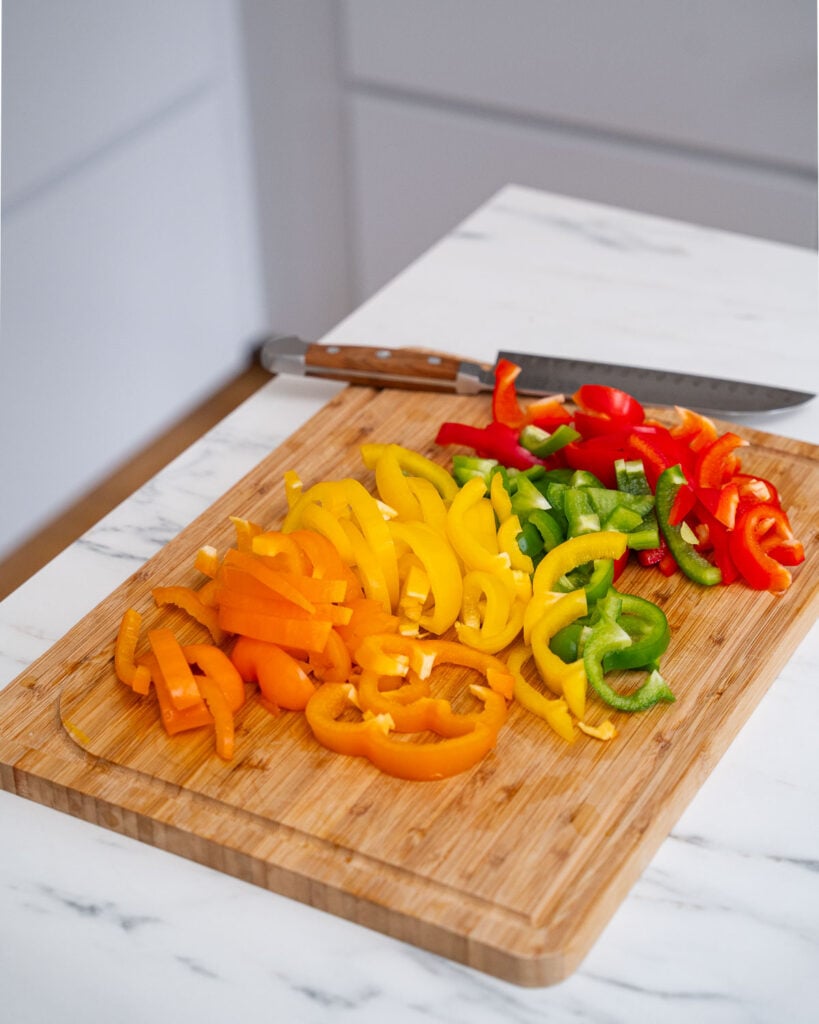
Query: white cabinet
[(700, 110), (130, 279)]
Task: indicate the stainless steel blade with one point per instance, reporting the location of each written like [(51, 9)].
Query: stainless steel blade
[(655, 387)]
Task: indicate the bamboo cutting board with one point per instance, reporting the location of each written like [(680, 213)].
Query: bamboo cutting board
[(513, 868)]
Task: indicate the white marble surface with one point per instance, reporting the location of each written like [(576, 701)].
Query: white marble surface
[(724, 923)]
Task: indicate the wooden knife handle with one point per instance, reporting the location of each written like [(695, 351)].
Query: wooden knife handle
[(382, 367)]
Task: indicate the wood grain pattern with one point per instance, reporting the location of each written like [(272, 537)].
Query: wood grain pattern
[(513, 868), (368, 367)]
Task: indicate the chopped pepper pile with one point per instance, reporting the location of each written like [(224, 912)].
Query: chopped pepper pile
[(344, 612), (709, 519)]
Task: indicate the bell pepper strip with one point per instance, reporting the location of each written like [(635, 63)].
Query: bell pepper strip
[(280, 551), (217, 666), (567, 680), (296, 634), (761, 527), (392, 485), (442, 568), (414, 464), (595, 582), (543, 444), (606, 637), (426, 712), (611, 404), (473, 554), (499, 497), (190, 601), (369, 567), (494, 441), (372, 738), (174, 720), (368, 618), (432, 505), (222, 716), (508, 533), (690, 561), (647, 626), (207, 561), (548, 413), (245, 532), (334, 664), (693, 429), (554, 711), (286, 585), (138, 677), (506, 407), (717, 463), (175, 669), (575, 552), (491, 616), (282, 678)]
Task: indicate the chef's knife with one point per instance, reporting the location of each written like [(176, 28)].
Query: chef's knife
[(415, 369)]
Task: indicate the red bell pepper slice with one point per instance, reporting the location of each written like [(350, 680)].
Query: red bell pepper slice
[(506, 408), (717, 463), (602, 400), (760, 531), (494, 441), (694, 430), (684, 502)]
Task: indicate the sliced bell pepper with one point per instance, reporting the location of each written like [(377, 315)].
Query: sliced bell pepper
[(758, 533), (443, 571), (690, 561), (372, 737), (494, 441), (283, 679), (138, 677), (175, 669), (717, 463), (414, 464), (554, 711), (606, 638), (567, 680)]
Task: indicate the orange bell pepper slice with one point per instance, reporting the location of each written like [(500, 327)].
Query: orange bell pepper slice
[(217, 666), (222, 716), (368, 618), (138, 677), (371, 737), (297, 634), (174, 719), (175, 669), (411, 713), (282, 679), (190, 601)]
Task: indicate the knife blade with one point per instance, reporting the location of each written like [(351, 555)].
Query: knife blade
[(417, 369)]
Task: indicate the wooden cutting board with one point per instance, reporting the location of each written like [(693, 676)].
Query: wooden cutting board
[(513, 868)]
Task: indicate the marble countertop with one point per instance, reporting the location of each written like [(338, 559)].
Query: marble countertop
[(723, 925)]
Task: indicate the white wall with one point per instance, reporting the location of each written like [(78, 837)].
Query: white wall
[(130, 278)]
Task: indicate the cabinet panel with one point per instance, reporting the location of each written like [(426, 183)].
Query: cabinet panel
[(737, 77), (124, 303), (417, 172), (78, 75)]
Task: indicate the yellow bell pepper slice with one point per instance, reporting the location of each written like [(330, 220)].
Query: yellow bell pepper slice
[(414, 464), (474, 552), (442, 569), (554, 711), (569, 680)]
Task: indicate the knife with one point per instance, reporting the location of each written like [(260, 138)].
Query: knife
[(419, 370)]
